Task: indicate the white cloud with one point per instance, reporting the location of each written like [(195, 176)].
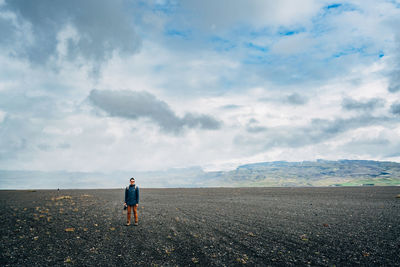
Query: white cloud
[(2, 116), (293, 44)]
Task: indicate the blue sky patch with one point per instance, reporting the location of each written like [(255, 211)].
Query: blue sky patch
[(333, 6), (178, 33)]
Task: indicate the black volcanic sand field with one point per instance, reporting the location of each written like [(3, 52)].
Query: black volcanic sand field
[(205, 226)]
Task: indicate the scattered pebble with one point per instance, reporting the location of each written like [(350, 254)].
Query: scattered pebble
[(304, 237), (60, 198), (251, 234)]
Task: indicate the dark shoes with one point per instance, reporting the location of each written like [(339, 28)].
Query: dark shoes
[(135, 224)]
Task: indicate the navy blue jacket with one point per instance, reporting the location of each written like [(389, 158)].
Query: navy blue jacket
[(132, 195)]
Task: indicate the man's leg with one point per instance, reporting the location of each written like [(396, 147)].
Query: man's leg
[(135, 213), (128, 214)]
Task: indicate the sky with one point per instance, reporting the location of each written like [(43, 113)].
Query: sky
[(96, 85)]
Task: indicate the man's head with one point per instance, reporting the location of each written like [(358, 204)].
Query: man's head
[(132, 180)]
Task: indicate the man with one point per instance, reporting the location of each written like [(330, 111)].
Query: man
[(132, 201)]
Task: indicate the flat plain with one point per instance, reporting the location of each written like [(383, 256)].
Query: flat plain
[(317, 226)]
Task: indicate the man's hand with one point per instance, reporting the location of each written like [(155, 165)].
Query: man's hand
[(124, 203), (137, 205)]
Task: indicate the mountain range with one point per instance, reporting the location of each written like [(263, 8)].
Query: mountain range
[(277, 173)]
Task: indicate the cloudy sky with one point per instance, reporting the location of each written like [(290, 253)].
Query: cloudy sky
[(150, 85)]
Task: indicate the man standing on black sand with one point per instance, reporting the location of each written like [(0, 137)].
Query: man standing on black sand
[(132, 201)]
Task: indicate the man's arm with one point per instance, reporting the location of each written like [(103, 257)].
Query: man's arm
[(137, 194), (126, 195)]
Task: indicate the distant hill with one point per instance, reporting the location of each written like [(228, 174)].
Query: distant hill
[(277, 173), (315, 173)]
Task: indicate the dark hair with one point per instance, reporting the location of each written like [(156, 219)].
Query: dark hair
[(132, 179)]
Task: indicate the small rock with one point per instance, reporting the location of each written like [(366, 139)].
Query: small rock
[(304, 237), (60, 198), (243, 260)]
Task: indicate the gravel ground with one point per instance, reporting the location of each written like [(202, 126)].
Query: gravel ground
[(342, 226)]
